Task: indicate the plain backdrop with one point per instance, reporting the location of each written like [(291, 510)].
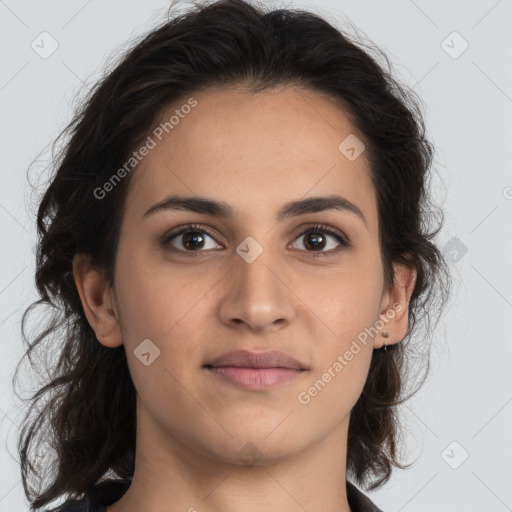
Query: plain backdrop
[(457, 56)]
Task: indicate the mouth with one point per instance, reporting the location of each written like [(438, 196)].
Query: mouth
[(255, 371), (246, 359)]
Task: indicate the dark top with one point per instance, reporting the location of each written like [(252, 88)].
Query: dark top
[(109, 491)]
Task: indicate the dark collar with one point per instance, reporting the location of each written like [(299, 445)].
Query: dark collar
[(359, 502)]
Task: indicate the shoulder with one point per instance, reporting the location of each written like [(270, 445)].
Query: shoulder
[(358, 501), (101, 494)]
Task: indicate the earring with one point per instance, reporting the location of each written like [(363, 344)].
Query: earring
[(385, 335)]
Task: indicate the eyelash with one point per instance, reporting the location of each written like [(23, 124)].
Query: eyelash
[(317, 228)]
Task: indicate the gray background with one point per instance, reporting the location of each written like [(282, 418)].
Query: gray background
[(465, 409)]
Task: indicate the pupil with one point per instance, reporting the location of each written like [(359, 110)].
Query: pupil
[(316, 237), (191, 235)]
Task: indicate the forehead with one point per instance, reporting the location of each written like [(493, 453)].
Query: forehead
[(254, 149)]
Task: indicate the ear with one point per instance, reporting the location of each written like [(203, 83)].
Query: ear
[(395, 306), (97, 298)]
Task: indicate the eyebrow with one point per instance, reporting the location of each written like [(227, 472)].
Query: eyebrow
[(221, 209)]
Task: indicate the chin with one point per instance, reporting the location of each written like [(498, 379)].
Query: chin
[(255, 450)]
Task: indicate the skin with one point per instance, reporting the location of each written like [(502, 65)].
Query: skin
[(254, 152)]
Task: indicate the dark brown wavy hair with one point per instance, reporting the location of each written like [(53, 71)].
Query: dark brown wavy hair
[(80, 426)]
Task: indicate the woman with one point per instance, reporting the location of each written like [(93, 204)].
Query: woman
[(235, 246)]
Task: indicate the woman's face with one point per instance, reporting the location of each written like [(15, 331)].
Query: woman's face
[(252, 280)]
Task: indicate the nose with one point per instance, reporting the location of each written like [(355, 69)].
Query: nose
[(256, 295)]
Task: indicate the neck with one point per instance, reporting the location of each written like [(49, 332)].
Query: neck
[(171, 476)]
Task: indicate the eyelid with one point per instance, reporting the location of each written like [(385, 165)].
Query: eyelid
[(343, 240), (324, 228), (165, 239)]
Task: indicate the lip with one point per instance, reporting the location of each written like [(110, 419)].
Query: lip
[(247, 359), (255, 371)]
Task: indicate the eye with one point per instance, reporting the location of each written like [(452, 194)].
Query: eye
[(316, 240), (192, 240)]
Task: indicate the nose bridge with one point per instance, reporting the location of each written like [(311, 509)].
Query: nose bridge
[(256, 293), (256, 278)]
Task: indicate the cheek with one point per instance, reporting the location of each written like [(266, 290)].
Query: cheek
[(348, 306), (152, 295), (162, 303), (347, 300), (160, 308), (331, 394)]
